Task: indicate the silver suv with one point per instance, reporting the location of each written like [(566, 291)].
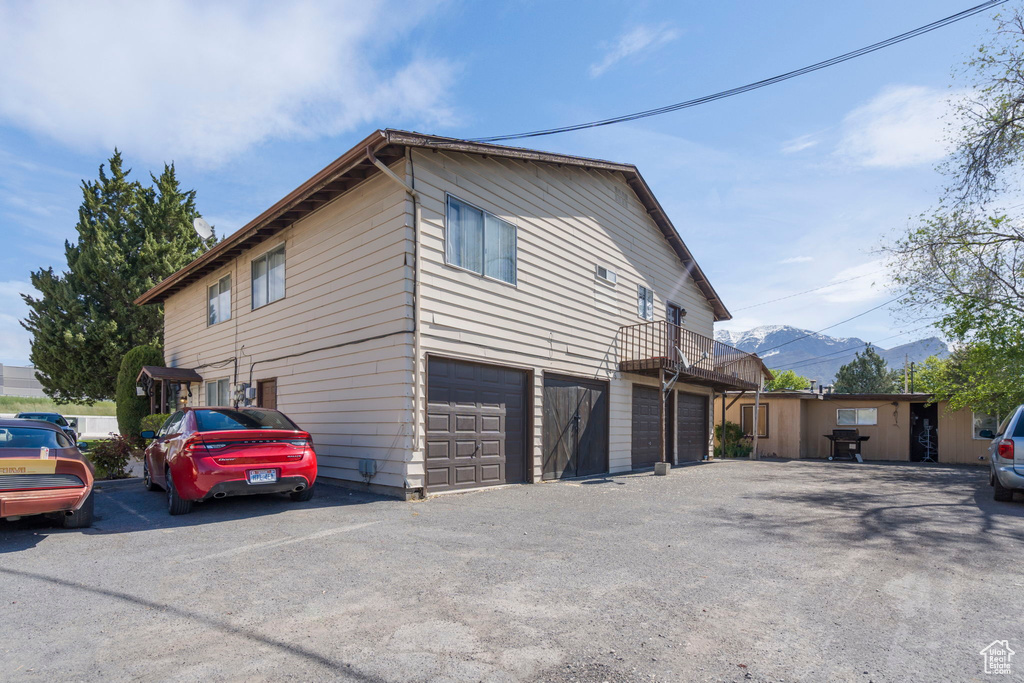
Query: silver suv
[(1006, 455)]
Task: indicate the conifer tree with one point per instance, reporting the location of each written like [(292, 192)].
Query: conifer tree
[(867, 373), (130, 237)]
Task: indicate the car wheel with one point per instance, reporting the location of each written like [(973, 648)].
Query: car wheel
[(82, 517), (1001, 492), (303, 495), (147, 480), (176, 505)]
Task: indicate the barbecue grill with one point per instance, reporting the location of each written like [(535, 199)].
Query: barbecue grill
[(846, 444)]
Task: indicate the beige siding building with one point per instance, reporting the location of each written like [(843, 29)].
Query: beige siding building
[(444, 315), (899, 427)]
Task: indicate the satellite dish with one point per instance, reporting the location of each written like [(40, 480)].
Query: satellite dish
[(203, 229)]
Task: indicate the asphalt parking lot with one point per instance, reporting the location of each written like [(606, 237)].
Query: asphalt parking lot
[(765, 571)]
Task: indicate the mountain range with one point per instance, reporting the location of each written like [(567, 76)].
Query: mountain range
[(819, 356)]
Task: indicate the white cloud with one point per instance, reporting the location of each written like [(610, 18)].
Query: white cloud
[(797, 259), (799, 144), (902, 126), (633, 42), (204, 81), (14, 339)]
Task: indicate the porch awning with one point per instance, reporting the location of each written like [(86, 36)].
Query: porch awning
[(180, 375)]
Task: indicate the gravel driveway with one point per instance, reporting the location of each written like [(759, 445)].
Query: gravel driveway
[(765, 571)]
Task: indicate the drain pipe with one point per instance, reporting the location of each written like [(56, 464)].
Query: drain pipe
[(416, 345)]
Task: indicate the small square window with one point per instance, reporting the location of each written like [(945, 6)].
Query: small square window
[(479, 241), (983, 421), (218, 392), (747, 420)]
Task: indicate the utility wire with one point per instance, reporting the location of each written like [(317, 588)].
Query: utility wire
[(927, 28), (806, 291), (805, 336)]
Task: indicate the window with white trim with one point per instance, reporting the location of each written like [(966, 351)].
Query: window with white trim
[(982, 421), (218, 307), (268, 277), (218, 392), (850, 417), (645, 302), (479, 241)]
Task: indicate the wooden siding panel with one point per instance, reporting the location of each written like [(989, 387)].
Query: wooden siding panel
[(347, 278)]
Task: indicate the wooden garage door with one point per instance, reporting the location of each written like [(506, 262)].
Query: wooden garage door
[(476, 415), (646, 426), (691, 427), (575, 427)]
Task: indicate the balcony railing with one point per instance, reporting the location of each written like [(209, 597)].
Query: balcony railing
[(648, 348)]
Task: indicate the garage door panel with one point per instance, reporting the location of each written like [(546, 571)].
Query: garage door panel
[(438, 449), (692, 427), (485, 409), (646, 426)]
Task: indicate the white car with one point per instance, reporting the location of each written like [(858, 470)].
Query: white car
[(1006, 455)]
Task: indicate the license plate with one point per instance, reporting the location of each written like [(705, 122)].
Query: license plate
[(27, 466), (262, 476)]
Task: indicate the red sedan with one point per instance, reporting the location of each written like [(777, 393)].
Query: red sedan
[(203, 453), (42, 472)]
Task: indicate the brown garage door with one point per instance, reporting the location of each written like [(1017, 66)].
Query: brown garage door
[(575, 427), (692, 427), (646, 426), (475, 425)]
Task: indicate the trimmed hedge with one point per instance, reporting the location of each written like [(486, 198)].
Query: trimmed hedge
[(131, 408)]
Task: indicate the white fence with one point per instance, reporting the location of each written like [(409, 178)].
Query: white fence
[(89, 426)]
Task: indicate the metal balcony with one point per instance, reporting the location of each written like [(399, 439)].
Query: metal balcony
[(652, 347)]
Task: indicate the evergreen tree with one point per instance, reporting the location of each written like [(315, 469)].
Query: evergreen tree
[(130, 237), (867, 373)]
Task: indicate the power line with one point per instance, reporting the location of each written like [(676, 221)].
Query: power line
[(796, 339), (927, 28), (806, 291), (816, 359)]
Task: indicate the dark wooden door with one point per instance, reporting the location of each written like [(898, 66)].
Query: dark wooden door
[(476, 417), (670, 409), (575, 427), (646, 426), (266, 393), (691, 428)]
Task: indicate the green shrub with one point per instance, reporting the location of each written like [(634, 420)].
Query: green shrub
[(111, 456), (131, 408), (734, 444), (152, 423)]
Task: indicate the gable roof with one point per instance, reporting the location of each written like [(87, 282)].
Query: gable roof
[(355, 166)]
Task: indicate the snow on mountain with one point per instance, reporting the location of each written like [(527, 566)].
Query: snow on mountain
[(819, 356)]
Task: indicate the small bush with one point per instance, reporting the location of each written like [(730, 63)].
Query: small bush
[(152, 423), (734, 444), (111, 456)]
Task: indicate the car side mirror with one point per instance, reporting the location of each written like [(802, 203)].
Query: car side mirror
[(986, 434), (83, 446), (148, 434)]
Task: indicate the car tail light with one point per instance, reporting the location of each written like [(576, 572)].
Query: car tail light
[(192, 444), (304, 442), (1005, 449)]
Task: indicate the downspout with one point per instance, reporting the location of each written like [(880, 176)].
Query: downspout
[(416, 342)]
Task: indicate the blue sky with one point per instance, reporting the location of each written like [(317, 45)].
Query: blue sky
[(777, 191)]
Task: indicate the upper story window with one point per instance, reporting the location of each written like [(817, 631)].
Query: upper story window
[(645, 302), (218, 392), (856, 416), (218, 307), (268, 277), (480, 242)]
